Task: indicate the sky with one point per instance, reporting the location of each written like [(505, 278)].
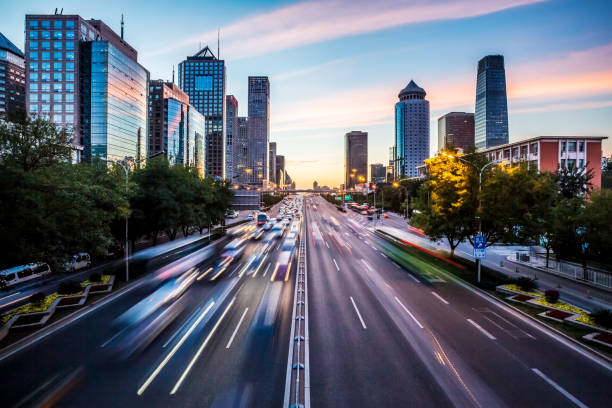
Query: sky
[(337, 66)]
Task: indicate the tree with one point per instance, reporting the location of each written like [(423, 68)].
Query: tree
[(596, 219), (445, 202), (573, 181)]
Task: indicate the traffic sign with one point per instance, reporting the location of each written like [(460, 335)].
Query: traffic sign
[(347, 197), (480, 245), (338, 198)]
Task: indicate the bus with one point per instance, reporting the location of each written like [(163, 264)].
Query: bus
[(24, 273), (262, 218)]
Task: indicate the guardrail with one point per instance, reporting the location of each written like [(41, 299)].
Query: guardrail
[(297, 385)]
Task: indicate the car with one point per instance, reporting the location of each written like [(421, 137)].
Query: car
[(250, 217), (268, 226), (386, 215), (258, 233), (231, 214), (279, 217), (77, 262), (370, 217)]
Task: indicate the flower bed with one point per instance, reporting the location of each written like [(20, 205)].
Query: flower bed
[(521, 297)]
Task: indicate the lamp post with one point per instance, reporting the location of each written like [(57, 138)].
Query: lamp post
[(480, 171), (123, 164), (396, 185)]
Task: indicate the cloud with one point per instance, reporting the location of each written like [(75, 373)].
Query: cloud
[(318, 21), (569, 106)]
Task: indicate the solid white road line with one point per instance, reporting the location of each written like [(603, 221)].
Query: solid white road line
[(229, 343), (8, 296), (559, 388), (358, 314), (335, 263), (149, 380), (326, 244), (409, 314), (411, 276), (267, 268), (197, 354), (367, 265), (396, 265), (483, 331), (440, 298), (383, 255)]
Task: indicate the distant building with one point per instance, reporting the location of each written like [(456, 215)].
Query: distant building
[(355, 158), (175, 126), (378, 173), (548, 153), (491, 117), (391, 166), (259, 128), (272, 160), (231, 115), (280, 171), (240, 150), (82, 75), (202, 77), (456, 129), (246, 199), (12, 81), (411, 130), (315, 185)]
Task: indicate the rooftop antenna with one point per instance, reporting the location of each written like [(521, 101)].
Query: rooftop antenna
[(55, 11), (62, 11), (218, 36), (173, 73), (122, 26)]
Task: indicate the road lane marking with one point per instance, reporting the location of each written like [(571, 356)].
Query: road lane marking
[(358, 314), (367, 265), (335, 263), (161, 365), (440, 298), (326, 244), (197, 354), (396, 265), (205, 273), (112, 338), (15, 300), (409, 314), (411, 276), (8, 296), (483, 331), (267, 268), (559, 388), (383, 255), (229, 343)]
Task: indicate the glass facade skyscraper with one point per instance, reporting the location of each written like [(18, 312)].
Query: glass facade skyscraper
[(491, 117), (259, 128), (231, 115), (411, 130), (355, 158), (202, 77), (114, 93), (12, 81)]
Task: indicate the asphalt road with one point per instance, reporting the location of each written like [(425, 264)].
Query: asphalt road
[(384, 336), (228, 348)]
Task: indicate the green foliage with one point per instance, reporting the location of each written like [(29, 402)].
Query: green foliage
[(269, 200), (603, 317), (526, 284), (574, 182), (596, 218)]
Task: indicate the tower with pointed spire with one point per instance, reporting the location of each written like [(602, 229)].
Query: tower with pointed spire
[(411, 130)]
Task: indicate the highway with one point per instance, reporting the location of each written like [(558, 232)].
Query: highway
[(384, 336), (227, 348)]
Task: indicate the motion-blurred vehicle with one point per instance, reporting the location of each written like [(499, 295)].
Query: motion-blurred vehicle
[(258, 233), (279, 217), (262, 218), (231, 214), (386, 215), (140, 325), (230, 253), (23, 273), (78, 262), (371, 217), (277, 230), (282, 271), (268, 226), (250, 217)]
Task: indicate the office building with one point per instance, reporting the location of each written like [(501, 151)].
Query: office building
[(12, 81), (411, 130), (456, 129), (175, 126), (83, 76), (355, 158), (378, 173), (548, 153), (240, 151), (231, 116), (491, 117), (280, 171), (259, 128), (202, 77), (272, 160)]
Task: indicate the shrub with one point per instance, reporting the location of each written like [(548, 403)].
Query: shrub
[(69, 288), (95, 277), (552, 296), (603, 317), (526, 284), (37, 298)]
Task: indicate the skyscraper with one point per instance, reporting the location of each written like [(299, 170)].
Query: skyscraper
[(231, 115), (491, 117), (82, 75), (272, 159), (259, 128), (411, 130), (456, 129), (378, 173), (355, 158), (202, 77), (280, 170), (175, 126), (240, 150), (12, 81)]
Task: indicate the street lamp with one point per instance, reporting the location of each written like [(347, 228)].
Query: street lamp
[(126, 168), (480, 171)]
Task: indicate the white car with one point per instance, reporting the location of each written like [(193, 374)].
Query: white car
[(78, 261), (250, 217)]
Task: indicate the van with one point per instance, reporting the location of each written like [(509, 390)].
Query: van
[(19, 274), (78, 261)]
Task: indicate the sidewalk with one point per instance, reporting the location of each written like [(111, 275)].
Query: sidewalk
[(581, 294)]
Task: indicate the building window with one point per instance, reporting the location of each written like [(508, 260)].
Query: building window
[(45, 108), (57, 66), (33, 97), (57, 35), (69, 97), (581, 147), (33, 56), (33, 87), (46, 56), (70, 66), (45, 77), (70, 24), (580, 163), (33, 45), (46, 66), (57, 118), (45, 35), (571, 146), (34, 24), (34, 108), (45, 87), (57, 87), (571, 163), (69, 119), (562, 147), (534, 149), (57, 24), (45, 45), (70, 35), (57, 108), (57, 56), (70, 56), (33, 76), (45, 98), (69, 76), (57, 45), (57, 97), (70, 45), (69, 88), (57, 76), (562, 163), (33, 35), (69, 108)]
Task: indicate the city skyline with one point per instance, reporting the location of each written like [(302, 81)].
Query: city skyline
[(559, 83)]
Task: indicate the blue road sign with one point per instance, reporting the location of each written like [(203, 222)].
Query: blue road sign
[(480, 245)]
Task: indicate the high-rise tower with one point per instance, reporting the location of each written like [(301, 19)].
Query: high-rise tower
[(491, 117), (259, 128), (411, 130), (355, 158)]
